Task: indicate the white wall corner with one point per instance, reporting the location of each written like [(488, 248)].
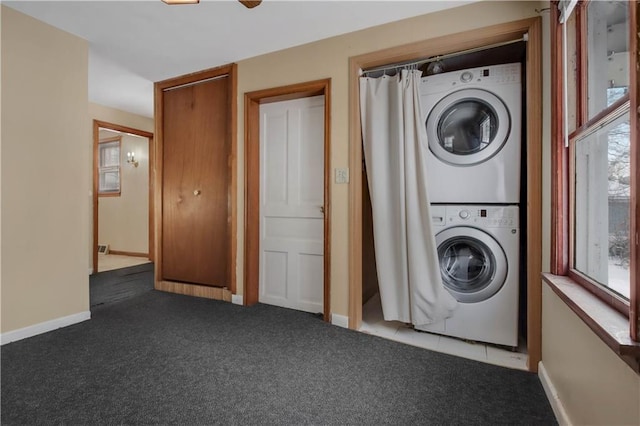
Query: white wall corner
[(237, 299), (552, 396), (43, 327), (340, 320)]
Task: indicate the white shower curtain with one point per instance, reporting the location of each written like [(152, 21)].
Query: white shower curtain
[(395, 144)]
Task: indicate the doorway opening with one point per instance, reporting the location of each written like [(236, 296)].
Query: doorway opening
[(122, 197), (433, 48)]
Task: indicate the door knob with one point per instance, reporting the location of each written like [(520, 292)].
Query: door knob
[(196, 192)]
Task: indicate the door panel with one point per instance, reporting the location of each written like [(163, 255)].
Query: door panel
[(195, 196), (292, 200)]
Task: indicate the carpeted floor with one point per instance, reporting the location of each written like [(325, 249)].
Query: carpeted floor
[(120, 284), (161, 358)]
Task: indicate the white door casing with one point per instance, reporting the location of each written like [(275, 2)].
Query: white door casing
[(292, 204)]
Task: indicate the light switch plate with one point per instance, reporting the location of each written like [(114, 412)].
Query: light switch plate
[(342, 175)]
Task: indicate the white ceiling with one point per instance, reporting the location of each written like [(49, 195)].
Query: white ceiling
[(135, 43)]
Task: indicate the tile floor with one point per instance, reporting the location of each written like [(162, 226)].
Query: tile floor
[(373, 323), (107, 262)]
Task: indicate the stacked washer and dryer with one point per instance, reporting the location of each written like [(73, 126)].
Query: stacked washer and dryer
[(473, 122)]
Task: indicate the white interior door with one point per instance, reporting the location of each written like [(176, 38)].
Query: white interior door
[(292, 204)]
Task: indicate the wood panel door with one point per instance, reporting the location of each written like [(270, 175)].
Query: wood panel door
[(292, 204), (196, 182)]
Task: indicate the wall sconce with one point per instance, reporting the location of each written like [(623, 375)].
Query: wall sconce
[(131, 159)]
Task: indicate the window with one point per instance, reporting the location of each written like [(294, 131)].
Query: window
[(595, 150), (109, 167)]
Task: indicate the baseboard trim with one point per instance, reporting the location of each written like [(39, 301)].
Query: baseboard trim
[(196, 290), (340, 320), (129, 253), (552, 396), (237, 299), (43, 327)]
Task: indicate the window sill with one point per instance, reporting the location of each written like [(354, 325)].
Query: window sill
[(608, 324)]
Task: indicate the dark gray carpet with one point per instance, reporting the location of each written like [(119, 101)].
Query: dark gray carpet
[(120, 284), (161, 358)]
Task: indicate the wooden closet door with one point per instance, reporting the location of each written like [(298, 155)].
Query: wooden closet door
[(195, 195)]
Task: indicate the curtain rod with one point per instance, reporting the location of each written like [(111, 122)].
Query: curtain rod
[(400, 65)]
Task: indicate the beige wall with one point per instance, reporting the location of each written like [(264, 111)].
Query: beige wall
[(123, 118), (594, 385), (46, 164), (123, 222), (329, 59)]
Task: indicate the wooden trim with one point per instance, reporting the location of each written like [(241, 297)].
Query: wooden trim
[(582, 107), (437, 46), (600, 118), (97, 125), (559, 183), (231, 71), (634, 88), (233, 184), (611, 299), (129, 253), (534, 194), (608, 324), (94, 245), (113, 139), (252, 102), (195, 290), (111, 194)]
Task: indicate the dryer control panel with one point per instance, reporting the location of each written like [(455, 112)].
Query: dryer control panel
[(495, 74)]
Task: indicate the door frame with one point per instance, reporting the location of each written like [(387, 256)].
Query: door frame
[(229, 70), (439, 46), (97, 125), (252, 102)]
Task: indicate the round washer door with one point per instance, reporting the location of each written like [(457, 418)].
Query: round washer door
[(468, 127), (472, 264)]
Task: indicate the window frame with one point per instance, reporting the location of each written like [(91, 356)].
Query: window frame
[(563, 164), (99, 171)]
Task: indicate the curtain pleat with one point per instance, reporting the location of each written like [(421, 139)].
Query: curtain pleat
[(395, 144)]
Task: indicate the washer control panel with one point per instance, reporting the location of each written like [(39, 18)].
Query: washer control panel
[(483, 216)]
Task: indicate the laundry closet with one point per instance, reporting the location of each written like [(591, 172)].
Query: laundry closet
[(474, 109)]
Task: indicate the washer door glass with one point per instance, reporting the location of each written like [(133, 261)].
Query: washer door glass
[(468, 127), (472, 264)]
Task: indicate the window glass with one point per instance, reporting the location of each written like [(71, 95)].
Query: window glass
[(602, 197), (572, 74), (109, 167), (607, 53)]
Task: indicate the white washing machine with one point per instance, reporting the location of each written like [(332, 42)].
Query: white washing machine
[(478, 252), (473, 123)]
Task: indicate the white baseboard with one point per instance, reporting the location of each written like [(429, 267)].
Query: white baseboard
[(237, 299), (340, 320), (43, 327), (552, 396)]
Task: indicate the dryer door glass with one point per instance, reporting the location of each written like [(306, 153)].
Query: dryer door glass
[(472, 264), (467, 127)]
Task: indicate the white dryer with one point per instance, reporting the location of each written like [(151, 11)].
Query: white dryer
[(473, 123), (478, 252)]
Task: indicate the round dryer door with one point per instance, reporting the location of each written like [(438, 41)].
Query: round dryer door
[(472, 264), (468, 127)]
